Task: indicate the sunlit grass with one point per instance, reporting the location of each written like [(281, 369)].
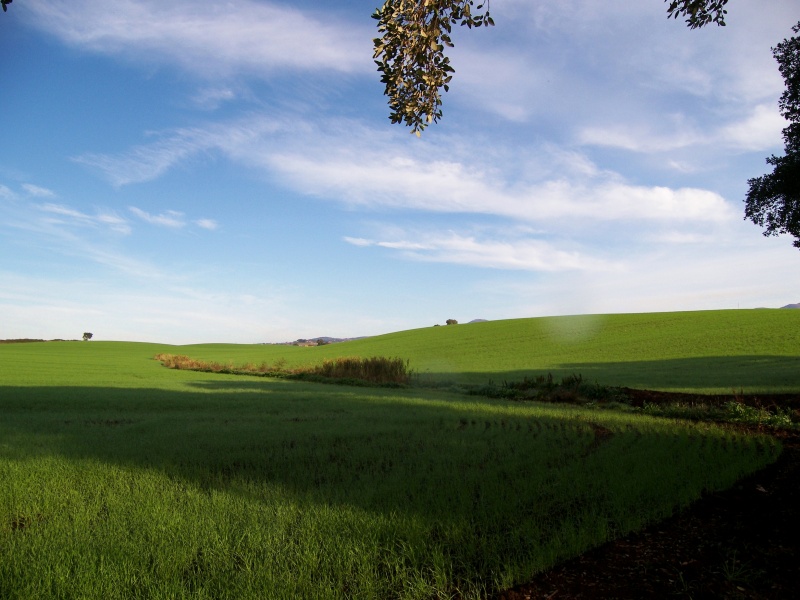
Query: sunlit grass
[(123, 479), (705, 352), (713, 352)]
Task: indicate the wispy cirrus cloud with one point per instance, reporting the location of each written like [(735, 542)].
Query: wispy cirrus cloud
[(208, 38), (212, 98), (759, 129), (142, 163), (169, 218), (172, 219), (399, 181), (146, 162), (37, 191), (66, 215), (209, 224), (367, 168), (524, 254), (5, 192)]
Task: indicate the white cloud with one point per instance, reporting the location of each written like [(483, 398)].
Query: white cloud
[(142, 163), (37, 192), (400, 182), (363, 242), (149, 161), (209, 224), (212, 98), (619, 74), (761, 130), (60, 209), (640, 138), (367, 168), (207, 37), (169, 218), (115, 222), (72, 235), (509, 254), (5, 192), (680, 237), (66, 215), (727, 273)]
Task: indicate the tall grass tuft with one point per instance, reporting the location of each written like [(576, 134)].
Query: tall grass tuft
[(377, 369)]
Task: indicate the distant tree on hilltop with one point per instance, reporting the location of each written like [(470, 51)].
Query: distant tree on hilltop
[(452, 322), (87, 336)]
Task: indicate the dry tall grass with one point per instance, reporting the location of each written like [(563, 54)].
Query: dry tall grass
[(377, 369)]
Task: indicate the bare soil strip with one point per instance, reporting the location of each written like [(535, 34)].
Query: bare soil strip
[(743, 543)]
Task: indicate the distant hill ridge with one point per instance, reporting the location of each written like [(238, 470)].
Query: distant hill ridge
[(708, 352), (315, 341), (797, 305)]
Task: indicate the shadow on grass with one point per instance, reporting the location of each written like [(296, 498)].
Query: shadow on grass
[(338, 443), (335, 443), (722, 374), (432, 456)]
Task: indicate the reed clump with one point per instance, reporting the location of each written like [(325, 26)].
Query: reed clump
[(379, 370)]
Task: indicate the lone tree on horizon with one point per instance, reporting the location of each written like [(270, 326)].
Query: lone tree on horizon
[(87, 336)]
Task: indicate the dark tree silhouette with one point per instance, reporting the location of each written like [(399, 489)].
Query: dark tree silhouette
[(773, 200)]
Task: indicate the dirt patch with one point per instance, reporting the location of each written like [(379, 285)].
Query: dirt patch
[(641, 397), (743, 543)]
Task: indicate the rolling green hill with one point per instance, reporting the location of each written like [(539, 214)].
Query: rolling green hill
[(124, 479), (704, 351)]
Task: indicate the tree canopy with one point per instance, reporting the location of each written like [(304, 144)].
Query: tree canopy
[(410, 53), (699, 13), (773, 200), (5, 3), (414, 33)]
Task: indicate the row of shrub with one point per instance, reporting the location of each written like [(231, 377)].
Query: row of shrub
[(573, 389), (731, 411), (375, 370)]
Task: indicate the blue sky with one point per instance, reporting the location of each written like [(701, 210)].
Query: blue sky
[(197, 171)]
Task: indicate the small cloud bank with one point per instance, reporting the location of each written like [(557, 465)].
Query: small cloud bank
[(209, 39)]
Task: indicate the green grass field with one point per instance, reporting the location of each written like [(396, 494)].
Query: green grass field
[(124, 479), (704, 352)]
